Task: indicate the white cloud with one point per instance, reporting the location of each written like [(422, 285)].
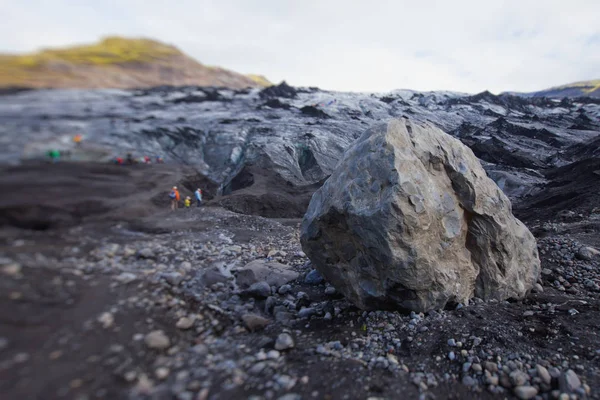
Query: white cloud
[(371, 45)]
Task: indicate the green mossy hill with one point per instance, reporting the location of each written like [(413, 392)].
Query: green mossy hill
[(111, 50), (585, 86), (578, 89), (260, 80), (116, 62)]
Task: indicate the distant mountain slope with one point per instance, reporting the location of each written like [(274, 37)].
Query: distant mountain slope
[(116, 62), (577, 89)]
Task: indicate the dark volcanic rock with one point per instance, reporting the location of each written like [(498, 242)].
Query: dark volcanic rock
[(276, 103), (572, 187), (314, 112), (282, 90)]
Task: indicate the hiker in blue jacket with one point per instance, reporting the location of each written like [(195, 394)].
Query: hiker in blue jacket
[(198, 195)]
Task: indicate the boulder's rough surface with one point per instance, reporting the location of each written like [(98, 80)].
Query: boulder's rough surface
[(410, 220)]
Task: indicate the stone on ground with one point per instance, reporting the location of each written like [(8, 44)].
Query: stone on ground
[(525, 392), (587, 253), (255, 322), (410, 220), (569, 381), (184, 323), (157, 340), (314, 277), (259, 290), (284, 341), (274, 273)]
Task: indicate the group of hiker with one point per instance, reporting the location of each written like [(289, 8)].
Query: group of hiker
[(176, 198), (130, 160), (55, 155)]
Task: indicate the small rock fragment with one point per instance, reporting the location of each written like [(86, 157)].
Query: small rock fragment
[(273, 354), (569, 381), (173, 278), (185, 323), (106, 319), (130, 376), (284, 289), (284, 341), (255, 322), (259, 290), (518, 378), (125, 277), (290, 396), (21, 358), (12, 269), (146, 253), (307, 312), (314, 277), (330, 290), (157, 340), (587, 253), (468, 381), (161, 373), (543, 374), (490, 366), (525, 392)]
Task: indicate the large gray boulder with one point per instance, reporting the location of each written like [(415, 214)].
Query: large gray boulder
[(410, 220)]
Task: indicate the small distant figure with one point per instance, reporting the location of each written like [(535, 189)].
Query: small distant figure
[(159, 160), (198, 195), (77, 139), (187, 202), (174, 195), (147, 160), (54, 156), (130, 159), (119, 160)]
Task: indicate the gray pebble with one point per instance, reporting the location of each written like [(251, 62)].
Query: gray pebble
[(284, 289), (525, 392), (543, 374), (468, 381), (157, 340), (330, 290), (284, 341), (259, 290), (314, 277)]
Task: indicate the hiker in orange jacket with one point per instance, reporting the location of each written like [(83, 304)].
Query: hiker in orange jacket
[(174, 195), (77, 139)]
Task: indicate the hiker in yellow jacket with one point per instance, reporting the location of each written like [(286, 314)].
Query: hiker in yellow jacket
[(187, 201)]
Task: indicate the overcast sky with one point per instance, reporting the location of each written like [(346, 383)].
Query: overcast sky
[(373, 45)]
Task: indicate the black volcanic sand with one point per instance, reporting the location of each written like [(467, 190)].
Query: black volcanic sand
[(68, 226)]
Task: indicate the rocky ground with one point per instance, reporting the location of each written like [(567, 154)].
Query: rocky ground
[(210, 304)]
